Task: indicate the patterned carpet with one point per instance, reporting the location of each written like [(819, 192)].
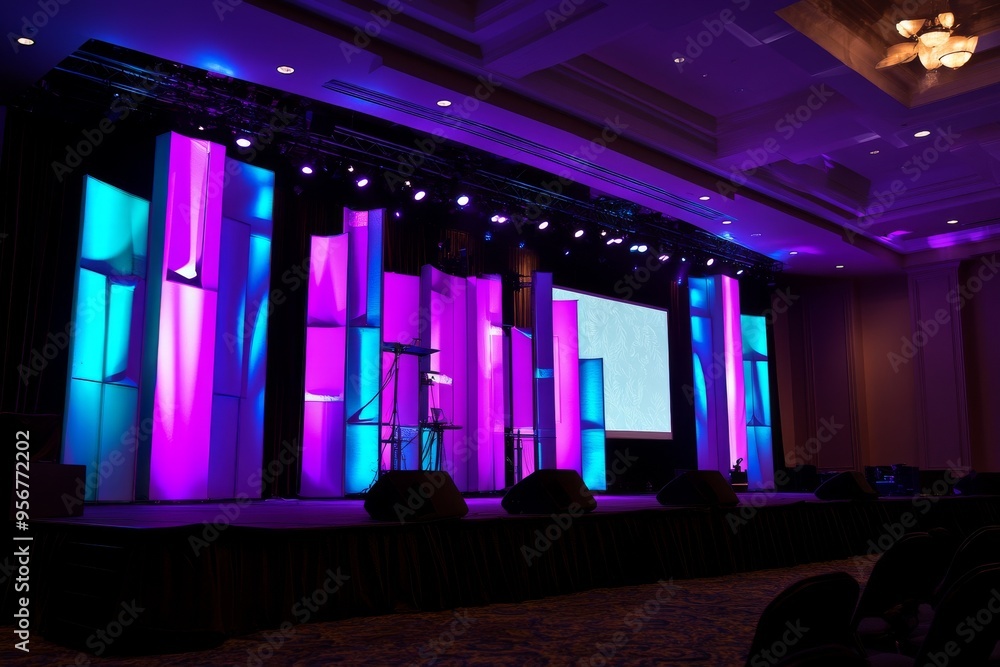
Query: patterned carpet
[(690, 622)]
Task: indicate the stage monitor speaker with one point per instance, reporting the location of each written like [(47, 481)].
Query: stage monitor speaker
[(850, 485), (702, 488), (979, 484), (549, 492), (415, 495)]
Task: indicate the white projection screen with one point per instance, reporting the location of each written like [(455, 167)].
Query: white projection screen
[(632, 341)]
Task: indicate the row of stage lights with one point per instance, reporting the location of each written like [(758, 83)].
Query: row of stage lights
[(462, 200)]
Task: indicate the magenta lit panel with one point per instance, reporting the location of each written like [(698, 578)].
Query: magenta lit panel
[(322, 449), (182, 408), (193, 218), (327, 298), (566, 353), (735, 388), (486, 467), (522, 372), (401, 324)]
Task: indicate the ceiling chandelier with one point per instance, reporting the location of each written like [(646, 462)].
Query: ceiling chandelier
[(932, 42)]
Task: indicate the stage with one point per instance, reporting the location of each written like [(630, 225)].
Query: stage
[(198, 572)]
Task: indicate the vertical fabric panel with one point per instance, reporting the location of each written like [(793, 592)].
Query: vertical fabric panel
[(760, 459), (735, 386), (116, 467), (592, 440), (231, 325), (523, 409), (401, 324), (225, 438), (544, 370), (566, 353), (82, 442)]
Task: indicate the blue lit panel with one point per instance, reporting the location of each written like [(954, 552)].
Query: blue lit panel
[(113, 238), (374, 304), (544, 366), (249, 196), (225, 440), (116, 360), (364, 354), (117, 450), (760, 456), (592, 443), (231, 330), (82, 442), (90, 326)]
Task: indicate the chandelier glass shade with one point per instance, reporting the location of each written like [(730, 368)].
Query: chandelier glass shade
[(932, 42)]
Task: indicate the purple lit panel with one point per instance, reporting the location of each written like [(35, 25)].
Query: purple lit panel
[(356, 227), (323, 449), (444, 298), (225, 438), (544, 369), (566, 353), (182, 409), (194, 211), (328, 280), (736, 407), (401, 323)]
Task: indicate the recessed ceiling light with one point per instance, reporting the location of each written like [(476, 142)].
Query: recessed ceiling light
[(201, 128), (285, 69), (444, 103), (679, 59), (921, 134), (953, 222), (243, 142), (840, 266), (794, 252), (727, 222), (874, 152), (704, 198), (543, 224), (306, 169), (25, 41)]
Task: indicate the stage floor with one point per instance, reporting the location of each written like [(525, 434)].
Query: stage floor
[(296, 514)]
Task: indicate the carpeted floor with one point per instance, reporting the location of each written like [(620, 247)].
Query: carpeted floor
[(689, 622)]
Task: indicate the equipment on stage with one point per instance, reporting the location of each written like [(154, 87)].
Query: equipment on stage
[(979, 484), (549, 492), (395, 439), (701, 488), (415, 495), (849, 485), (431, 456), (894, 480)]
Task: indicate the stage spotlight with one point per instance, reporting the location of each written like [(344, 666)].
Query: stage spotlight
[(462, 200), (604, 232), (578, 233), (521, 245), (643, 247), (488, 236), (362, 182), (664, 258), (740, 272), (566, 252), (499, 219), (611, 242), (684, 259), (710, 262), (418, 195), (544, 224), (306, 169), (634, 248), (243, 142), (399, 214), (350, 169)]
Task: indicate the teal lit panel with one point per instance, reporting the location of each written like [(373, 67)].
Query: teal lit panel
[(698, 291), (364, 355), (592, 443), (249, 196), (754, 336), (90, 326), (117, 454), (83, 426), (113, 239), (701, 343), (118, 340)]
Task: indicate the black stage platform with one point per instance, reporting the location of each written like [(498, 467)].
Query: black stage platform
[(205, 570)]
